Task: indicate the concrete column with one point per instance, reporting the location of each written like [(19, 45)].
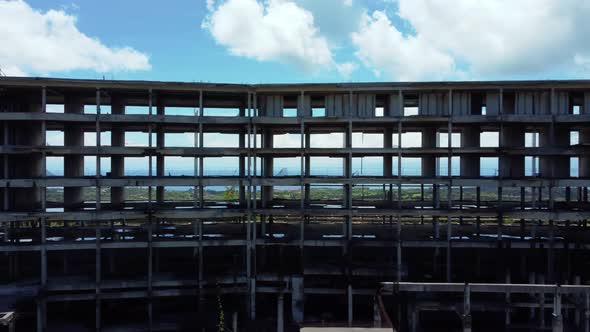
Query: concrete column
[(117, 161), (387, 158), (297, 299), (376, 313), (507, 315), (348, 187), (541, 303), (561, 167), (280, 321), (268, 164), (160, 143), (349, 303), (307, 165), (554, 166), (584, 159), (511, 166), (39, 316), (242, 168), (557, 322), (466, 309), (531, 309), (587, 311), (470, 163), (73, 164), (449, 248), (414, 317), (27, 165), (429, 164)]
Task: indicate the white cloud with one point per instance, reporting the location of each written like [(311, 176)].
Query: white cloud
[(384, 49), (489, 39), (37, 42), (582, 61), (346, 68), (210, 5), (276, 30)]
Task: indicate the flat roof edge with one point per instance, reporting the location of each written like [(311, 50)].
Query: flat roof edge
[(177, 85)]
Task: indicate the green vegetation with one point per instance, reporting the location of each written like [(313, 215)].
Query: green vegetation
[(231, 193)]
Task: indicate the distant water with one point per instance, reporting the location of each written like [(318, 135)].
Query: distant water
[(366, 167)]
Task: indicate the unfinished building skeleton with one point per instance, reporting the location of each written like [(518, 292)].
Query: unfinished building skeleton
[(101, 253)]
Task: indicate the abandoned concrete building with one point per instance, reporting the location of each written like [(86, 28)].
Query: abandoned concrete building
[(487, 230)]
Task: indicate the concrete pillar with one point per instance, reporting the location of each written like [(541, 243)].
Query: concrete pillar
[(507, 315), (466, 309), (73, 164), (297, 300), (242, 168), (557, 322), (429, 164), (280, 321), (268, 164), (160, 143), (413, 313), (561, 167), (541, 303), (307, 165), (470, 163), (531, 310), (584, 137), (554, 166), (587, 311), (39, 316), (117, 161), (26, 165), (449, 272), (511, 166), (376, 313), (349, 303), (387, 158), (348, 173)]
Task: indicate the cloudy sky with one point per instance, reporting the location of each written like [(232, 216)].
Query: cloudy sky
[(261, 41)]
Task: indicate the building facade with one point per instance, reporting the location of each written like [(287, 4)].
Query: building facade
[(299, 200)]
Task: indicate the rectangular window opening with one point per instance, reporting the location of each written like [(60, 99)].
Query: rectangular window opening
[(91, 109), (286, 166), (367, 140), (186, 111), (289, 112), (443, 140), (531, 166), (576, 110), (287, 140), (208, 111), (531, 139), (574, 167), (54, 138), (489, 139), (90, 165), (379, 112), (221, 166), (185, 139), (326, 166), (367, 166), (488, 166), (221, 140), (90, 138), (179, 166), (330, 140)]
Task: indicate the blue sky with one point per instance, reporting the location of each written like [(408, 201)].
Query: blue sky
[(264, 41), (280, 41)]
